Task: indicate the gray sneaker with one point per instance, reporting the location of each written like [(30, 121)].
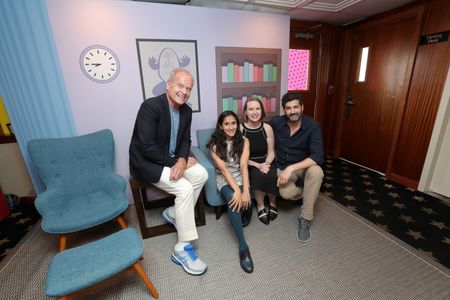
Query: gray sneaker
[(304, 231), (166, 217), (189, 260)]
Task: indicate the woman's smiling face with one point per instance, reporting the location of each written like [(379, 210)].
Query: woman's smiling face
[(229, 127)]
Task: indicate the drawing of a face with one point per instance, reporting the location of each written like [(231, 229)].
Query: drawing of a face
[(168, 60)]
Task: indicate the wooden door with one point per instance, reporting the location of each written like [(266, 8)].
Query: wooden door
[(374, 106)]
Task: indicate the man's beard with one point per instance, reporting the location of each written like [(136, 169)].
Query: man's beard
[(294, 117)]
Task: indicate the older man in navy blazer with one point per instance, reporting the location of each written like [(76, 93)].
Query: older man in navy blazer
[(159, 153)]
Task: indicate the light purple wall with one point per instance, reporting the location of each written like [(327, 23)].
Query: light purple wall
[(116, 24)]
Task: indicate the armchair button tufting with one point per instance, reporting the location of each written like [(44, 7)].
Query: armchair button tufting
[(79, 158), (58, 175), (54, 162), (102, 166)]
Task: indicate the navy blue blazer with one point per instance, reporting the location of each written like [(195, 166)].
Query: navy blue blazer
[(149, 147)]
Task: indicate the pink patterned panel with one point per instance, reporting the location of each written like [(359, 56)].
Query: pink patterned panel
[(298, 69)]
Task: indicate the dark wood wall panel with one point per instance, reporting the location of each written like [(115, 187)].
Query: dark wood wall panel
[(428, 78)]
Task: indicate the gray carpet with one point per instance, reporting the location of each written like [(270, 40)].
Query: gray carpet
[(346, 258)]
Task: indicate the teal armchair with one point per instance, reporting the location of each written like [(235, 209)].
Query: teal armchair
[(202, 155), (82, 188)]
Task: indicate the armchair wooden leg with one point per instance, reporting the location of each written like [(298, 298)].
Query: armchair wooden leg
[(218, 210), (138, 268), (62, 242), (122, 222)]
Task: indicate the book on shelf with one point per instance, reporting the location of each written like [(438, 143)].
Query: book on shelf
[(249, 72), (230, 72), (224, 74)]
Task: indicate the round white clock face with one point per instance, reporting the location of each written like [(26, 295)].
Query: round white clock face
[(99, 64)]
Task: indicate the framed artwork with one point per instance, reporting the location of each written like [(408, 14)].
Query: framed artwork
[(157, 58)]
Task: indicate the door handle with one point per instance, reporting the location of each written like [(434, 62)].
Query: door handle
[(348, 100), (348, 107)]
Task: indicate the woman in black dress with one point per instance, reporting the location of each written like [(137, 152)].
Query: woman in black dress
[(262, 169)]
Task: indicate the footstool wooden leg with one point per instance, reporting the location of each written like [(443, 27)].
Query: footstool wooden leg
[(62, 242), (122, 222), (138, 268)]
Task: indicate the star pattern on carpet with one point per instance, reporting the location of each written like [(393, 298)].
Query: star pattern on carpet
[(419, 198), (399, 205), (418, 219), (440, 225), (373, 201), (407, 219), (328, 185), (393, 195), (349, 197), (415, 234), (370, 192), (427, 210), (377, 213)]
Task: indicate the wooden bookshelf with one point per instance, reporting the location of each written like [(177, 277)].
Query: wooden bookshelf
[(244, 72)]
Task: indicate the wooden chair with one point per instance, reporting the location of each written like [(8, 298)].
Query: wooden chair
[(147, 196)]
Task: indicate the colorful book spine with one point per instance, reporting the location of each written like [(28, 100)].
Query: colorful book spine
[(236, 73), (241, 74), (265, 72), (273, 104), (230, 72), (235, 105), (224, 74), (225, 104), (270, 72), (275, 73), (250, 72), (246, 72)]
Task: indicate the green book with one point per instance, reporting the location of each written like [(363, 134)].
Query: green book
[(230, 72), (265, 72)]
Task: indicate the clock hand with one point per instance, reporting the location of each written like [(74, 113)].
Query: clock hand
[(96, 64)]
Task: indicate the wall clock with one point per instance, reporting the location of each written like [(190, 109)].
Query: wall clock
[(99, 63)]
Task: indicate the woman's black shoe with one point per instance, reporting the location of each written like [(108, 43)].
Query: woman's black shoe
[(246, 260), (246, 216), (263, 217), (273, 213)]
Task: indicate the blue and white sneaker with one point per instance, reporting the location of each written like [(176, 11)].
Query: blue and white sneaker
[(166, 217), (189, 260)]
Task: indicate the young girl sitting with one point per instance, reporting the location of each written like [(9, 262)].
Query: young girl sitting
[(230, 152)]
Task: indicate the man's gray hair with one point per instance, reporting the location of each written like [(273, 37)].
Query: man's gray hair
[(178, 70)]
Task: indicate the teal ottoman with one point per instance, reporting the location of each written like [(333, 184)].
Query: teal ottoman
[(77, 268)]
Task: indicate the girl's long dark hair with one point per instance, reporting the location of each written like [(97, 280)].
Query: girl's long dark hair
[(218, 139)]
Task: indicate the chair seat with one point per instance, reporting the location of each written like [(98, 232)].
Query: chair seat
[(83, 266), (94, 209)]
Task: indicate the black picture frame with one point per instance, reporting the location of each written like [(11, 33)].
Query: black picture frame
[(158, 57)]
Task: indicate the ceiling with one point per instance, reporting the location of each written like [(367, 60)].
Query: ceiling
[(336, 12)]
